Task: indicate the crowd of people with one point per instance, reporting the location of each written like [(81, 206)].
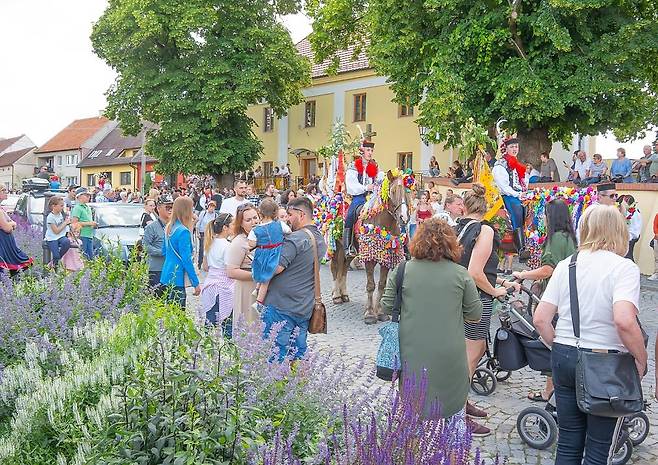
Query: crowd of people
[(255, 256)]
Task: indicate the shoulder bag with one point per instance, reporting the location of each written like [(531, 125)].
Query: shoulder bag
[(186, 278), (318, 321), (607, 382), (388, 355)]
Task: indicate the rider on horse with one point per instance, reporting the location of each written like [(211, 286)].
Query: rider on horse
[(360, 179), (509, 174)]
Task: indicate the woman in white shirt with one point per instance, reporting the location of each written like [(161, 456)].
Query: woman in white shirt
[(608, 287), (217, 290)]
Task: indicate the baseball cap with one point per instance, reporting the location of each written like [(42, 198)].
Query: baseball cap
[(81, 191), (165, 199)]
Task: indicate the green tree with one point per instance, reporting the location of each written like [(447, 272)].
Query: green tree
[(550, 67), (193, 67)]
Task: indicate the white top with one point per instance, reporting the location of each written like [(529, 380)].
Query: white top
[(217, 253), (252, 233), (582, 167), (501, 178), (604, 278), (444, 215), (635, 225), (231, 205), (437, 207), (57, 220), (205, 217), (352, 184)]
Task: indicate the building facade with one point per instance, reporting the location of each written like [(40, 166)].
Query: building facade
[(118, 158), (16, 161), (361, 99), (67, 148)]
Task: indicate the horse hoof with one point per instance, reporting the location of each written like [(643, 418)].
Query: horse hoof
[(345, 298), (370, 320), (338, 300), (383, 317)]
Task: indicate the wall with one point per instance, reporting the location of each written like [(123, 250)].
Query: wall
[(646, 196), (116, 171)]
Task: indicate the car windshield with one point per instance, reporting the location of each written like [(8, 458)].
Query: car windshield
[(118, 216)]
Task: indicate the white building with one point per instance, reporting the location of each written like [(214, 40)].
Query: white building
[(16, 161)]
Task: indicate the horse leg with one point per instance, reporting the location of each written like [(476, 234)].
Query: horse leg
[(383, 276), (338, 272), (343, 282), (370, 316)]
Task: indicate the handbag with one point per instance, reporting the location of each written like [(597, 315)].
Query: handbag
[(607, 382), (186, 278), (388, 354), (318, 322)]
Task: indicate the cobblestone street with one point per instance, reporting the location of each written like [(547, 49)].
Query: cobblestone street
[(347, 331)]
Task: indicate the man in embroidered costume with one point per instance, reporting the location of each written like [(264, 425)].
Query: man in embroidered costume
[(360, 179), (508, 174)]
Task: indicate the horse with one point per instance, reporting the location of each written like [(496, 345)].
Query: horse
[(379, 241)]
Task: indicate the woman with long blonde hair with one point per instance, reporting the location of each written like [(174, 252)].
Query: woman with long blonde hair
[(178, 251)]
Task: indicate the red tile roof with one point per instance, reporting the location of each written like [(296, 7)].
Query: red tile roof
[(6, 143), (74, 135), (346, 64), (9, 158)]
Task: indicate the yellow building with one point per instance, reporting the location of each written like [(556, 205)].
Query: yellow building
[(355, 95), (118, 158)]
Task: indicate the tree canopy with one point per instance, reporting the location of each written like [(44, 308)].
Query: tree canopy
[(193, 68), (549, 67)]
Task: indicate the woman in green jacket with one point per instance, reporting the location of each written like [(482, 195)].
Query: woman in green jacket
[(437, 296), (560, 244)]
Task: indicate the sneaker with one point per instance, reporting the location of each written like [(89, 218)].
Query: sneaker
[(473, 411), (477, 430), (653, 277)]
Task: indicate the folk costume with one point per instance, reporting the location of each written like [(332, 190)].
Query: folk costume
[(358, 177), (509, 174), (634, 223)]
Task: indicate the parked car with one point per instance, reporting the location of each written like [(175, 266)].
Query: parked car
[(31, 203), (9, 204), (118, 228)]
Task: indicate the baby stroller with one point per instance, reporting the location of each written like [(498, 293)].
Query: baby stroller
[(490, 370), (517, 344)]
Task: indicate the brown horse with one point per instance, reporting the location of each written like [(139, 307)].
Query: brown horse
[(374, 249)]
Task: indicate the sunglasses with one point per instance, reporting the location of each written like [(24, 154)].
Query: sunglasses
[(293, 208), (612, 196)]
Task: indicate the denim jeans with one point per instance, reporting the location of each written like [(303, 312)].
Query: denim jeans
[(291, 338), (227, 324), (58, 248), (579, 432), (177, 295), (87, 247)]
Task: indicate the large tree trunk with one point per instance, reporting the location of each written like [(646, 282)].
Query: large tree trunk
[(532, 143), (224, 180)]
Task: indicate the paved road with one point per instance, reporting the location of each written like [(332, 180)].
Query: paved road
[(347, 330)]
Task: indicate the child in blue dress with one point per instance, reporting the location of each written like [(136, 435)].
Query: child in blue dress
[(267, 238)]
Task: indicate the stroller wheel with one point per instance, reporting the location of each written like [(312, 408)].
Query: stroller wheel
[(623, 452), (638, 427), (483, 382), (537, 427), (502, 375)]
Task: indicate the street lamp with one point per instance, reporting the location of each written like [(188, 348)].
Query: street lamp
[(423, 131)]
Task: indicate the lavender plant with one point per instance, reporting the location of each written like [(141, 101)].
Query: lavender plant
[(28, 239), (45, 310)]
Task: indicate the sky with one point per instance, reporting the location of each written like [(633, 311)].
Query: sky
[(49, 75)]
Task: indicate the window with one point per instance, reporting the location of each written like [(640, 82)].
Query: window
[(60, 160), (109, 152), (309, 114), (95, 153), (405, 160), (90, 180), (360, 107), (72, 180), (405, 109), (125, 178), (268, 123), (268, 167)]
